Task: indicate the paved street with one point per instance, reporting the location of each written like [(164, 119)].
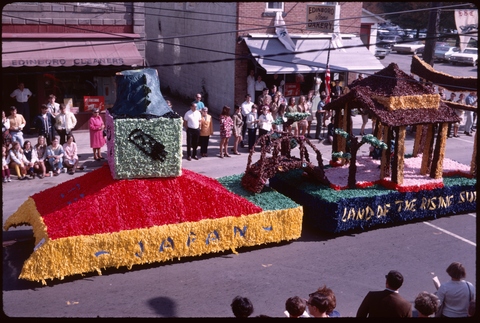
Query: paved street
[(350, 264)]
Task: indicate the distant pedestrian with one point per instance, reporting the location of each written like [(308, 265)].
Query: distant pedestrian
[(22, 95), (198, 102), (206, 130), (226, 125), (97, 140), (191, 123)]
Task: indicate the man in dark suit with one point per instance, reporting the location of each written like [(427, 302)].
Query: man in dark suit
[(337, 91), (44, 124), (386, 303)]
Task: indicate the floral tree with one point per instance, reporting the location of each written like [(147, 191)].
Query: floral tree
[(355, 145)]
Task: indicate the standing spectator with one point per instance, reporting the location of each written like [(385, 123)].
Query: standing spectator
[(191, 123), (259, 86), (6, 136), (5, 165), (451, 99), (65, 121), (198, 102), (44, 124), (309, 109), (242, 307), (21, 95), (461, 114), (246, 109), (17, 123), (53, 107), (281, 119), (292, 108), (226, 124), (320, 115), (364, 123), (441, 92), (337, 91), (18, 160), (322, 303), (388, 302), (97, 140), (456, 294), (206, 130), (237, 128), (40, 153), (330, 132), (426, 304), (70, 160), (274, 105), (471, 99), (265, 122), (31, 158), (264, 98), (278, 82), (251, 84), (302, 107), (296, 307), (55, 154), (273, 91), (252, 125)]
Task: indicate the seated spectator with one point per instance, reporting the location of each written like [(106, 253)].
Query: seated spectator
[(426, 304), (296, 307), (40, 153), (242, 307), (18, 160), (388, 302), (70, 160), (55, 155), (5, 166), (28, 152), (322, 303)]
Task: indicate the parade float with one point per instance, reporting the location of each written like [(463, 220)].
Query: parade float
[(142, 207), (359, 192)]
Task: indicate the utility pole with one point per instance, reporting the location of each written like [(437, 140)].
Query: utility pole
[(432, 33)]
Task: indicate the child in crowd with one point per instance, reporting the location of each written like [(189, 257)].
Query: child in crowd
[(295, 307), (5, 168)]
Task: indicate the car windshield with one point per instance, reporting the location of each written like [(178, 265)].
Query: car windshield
[(471, 51)]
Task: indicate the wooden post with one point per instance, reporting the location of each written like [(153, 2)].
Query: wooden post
[(399, 156), (418, 140), (427, 150), (439, 152), (385, 163)]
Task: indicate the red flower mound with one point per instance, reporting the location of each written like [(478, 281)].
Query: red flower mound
[(96, 203)]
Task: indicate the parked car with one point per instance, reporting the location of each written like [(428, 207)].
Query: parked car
[(412, 47), (389, 41), (443, 52), (381, 52), (469, 56)]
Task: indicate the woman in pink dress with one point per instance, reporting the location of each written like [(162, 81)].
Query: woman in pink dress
[(97, 140)]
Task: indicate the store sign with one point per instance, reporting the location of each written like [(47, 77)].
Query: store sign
[(320, 18), (66, 62), (93, 102), (292, 89)]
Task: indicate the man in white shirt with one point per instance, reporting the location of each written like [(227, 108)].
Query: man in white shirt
[(21, 95), (246, 108), (65, 121), (191, 123)]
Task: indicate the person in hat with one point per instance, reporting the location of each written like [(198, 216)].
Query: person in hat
[(97, 140), (388, 302)]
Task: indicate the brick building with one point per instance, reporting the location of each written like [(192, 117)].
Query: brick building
[(70, 49), (210, 48)]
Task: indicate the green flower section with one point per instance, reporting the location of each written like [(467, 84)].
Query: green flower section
[(132, 162), (459, 181), (268, 199)]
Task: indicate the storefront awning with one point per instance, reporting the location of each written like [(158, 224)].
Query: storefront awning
[(67, 53), (311, 56)]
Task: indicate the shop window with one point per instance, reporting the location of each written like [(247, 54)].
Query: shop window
[(271, 8)]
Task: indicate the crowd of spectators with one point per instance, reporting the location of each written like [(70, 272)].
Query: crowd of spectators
[(453, 299)]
